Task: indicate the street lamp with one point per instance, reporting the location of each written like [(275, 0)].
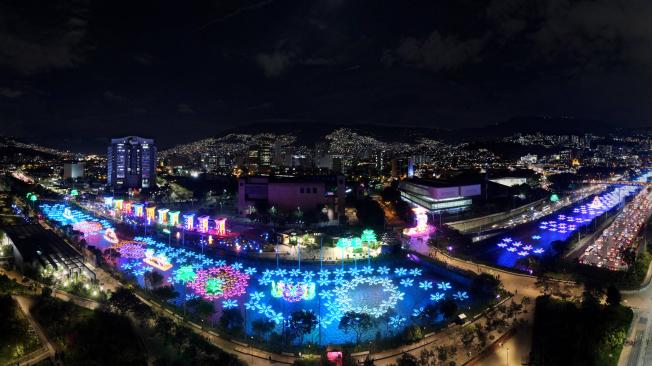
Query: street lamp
[(507, 356)]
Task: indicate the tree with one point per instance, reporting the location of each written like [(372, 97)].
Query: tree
[(359, 323), (301, 323), (406, 359), (231, 320), (613, 296), (165, 293), (123, 300), (202, 308), (153, 279), (262, 327)]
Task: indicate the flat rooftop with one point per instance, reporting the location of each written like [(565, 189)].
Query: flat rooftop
[(35, 243)]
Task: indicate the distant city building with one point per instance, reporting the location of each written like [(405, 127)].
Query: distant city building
[(435, 195), (309, 193), (131, 163), (73, 170), (529, 159), (509, 181)]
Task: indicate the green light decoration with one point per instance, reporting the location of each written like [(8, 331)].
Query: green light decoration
[(554, 198), (344, 242), (214, 286), (185, 274), (368, 236), (32, 196), (356, 242), (74, 192)]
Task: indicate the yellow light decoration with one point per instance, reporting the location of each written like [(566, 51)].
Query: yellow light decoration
[(163, 216)]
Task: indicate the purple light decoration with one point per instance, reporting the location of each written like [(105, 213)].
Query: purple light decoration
[(132, 250)]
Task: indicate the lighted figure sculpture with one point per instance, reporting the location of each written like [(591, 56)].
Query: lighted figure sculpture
[(127, 207), (174, 218), (157, 261), (210, 239), (163, 216), (293, 292), (138, 209), (117, 204), (108, 201), (151, 213), (203, 223), (189, 221), (422, 228), (109, 235), (220, 226), (219, 282), (67, 214), (596, 203)]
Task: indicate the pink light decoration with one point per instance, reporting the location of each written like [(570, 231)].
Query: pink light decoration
[(233, 282), (109, 235), (88, 227), (220, 226), (422, 228), (203, 223)]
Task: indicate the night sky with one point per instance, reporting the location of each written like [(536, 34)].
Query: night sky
[(74, 73)]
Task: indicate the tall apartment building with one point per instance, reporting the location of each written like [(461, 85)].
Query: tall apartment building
[(131, 163)]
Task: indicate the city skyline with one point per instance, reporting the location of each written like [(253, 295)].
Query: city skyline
[(213, 66)]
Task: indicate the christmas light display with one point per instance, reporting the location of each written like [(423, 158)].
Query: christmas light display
[(174, 218), (203, 224), (163, 216), (108, 201), (185, 274), (422, 227), (131, 250), (158, 261), (117, 203), (138, 209), (150, 212), (127, 207), (88, 227), (109, 235), (293, 292), (220, 226), (189, 221), (219, 282), (67, 214)]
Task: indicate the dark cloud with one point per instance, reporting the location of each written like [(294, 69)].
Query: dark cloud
[(10, 92), (30, 44), (273, 64), (438, 52), (185, 108)]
